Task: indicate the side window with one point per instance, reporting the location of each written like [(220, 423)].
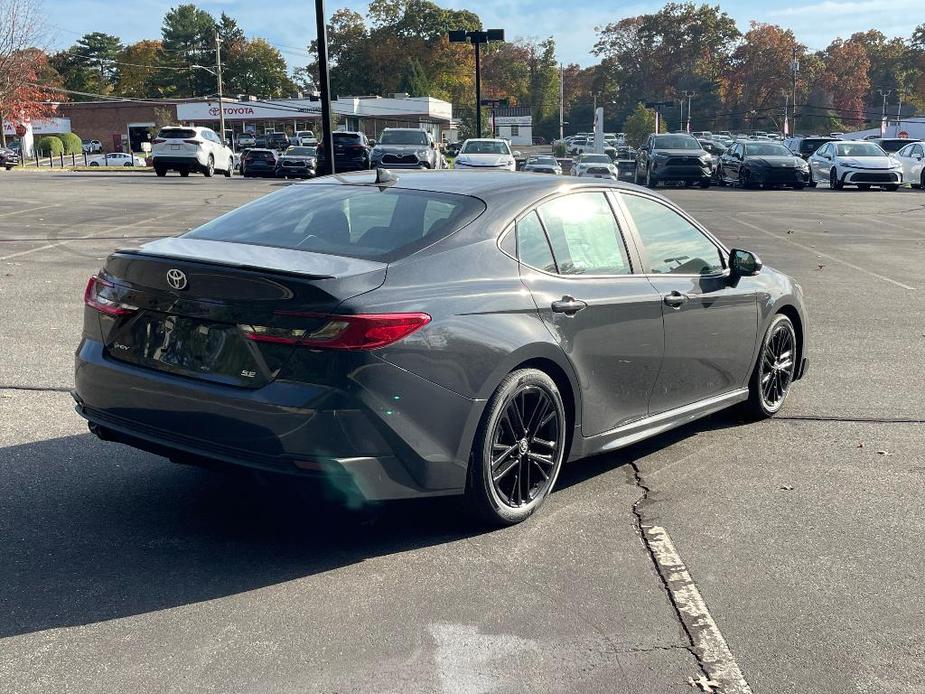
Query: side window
[(532, 247), (917, 151), (671, 244), (584, 235)]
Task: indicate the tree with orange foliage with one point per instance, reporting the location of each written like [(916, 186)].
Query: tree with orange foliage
[(26, 81), (847, 67)]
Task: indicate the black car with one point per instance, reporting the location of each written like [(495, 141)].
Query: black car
[(260, 142), (258, 162), (277, 141), (432, 333), (891, 145), (673, 157), (8, 158), (452, 149), (753, 162), (351, 152), (806, 146), (297, 162)]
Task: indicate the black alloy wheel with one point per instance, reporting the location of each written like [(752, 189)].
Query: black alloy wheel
[(834, 183), (775, 370), (519, 449)]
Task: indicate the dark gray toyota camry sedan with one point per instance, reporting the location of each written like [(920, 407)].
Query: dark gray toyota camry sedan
[(433, 333)]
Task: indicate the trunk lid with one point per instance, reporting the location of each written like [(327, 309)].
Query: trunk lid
[(201, 303)]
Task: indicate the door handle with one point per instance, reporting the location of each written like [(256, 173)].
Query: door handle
[(675, 299), (568, 305)]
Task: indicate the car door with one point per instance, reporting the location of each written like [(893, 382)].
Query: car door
[(642, 163), (821, 163), (710, 321), (607, 320), (913, 163), (733, 164)]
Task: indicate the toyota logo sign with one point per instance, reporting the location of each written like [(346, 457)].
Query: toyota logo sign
[(176, 278)]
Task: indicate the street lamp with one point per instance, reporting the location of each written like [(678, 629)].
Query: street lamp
[(477, 38), (689, 95), (218, 77)]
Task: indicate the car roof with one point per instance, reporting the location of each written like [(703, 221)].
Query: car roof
[(489, 186)]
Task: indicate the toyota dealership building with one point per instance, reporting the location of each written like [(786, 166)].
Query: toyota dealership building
[(114, 123)]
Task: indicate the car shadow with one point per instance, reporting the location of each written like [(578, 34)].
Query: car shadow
[(93, 531)]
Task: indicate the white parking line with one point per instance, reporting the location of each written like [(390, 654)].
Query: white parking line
[(715, 656), (77, 238), (824, 255), (31, 209)]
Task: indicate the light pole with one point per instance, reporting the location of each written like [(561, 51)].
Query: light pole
[(884, 94), (561, 102), (324, 86), (218, 76), (794, 68), (476, 38), (689, 95)]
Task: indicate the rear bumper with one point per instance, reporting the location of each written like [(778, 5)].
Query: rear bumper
[(386, 434), (170, 161)]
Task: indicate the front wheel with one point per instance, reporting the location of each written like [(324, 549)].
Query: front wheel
[(160, 172), (705, 183), (209, 170), (834, 183), (892, 188), (518, 450), (650, 182), (776, 367)]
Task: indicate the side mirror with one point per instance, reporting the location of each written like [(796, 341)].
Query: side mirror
[(744, 263)]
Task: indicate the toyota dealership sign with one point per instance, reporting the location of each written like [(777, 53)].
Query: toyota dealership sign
[(237, 110)]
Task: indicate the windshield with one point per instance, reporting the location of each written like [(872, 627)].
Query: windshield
[(859, 149), (676, 142), (811, 144), (485, 147), (595, 159), (403, 137), (301, 151), (542, 160), (769, 149), (347, 139), (350, 220)]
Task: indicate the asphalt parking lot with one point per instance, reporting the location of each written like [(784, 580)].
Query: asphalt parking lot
[(123, 572)]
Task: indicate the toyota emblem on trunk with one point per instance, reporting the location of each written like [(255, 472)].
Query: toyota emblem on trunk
[(176, 278)]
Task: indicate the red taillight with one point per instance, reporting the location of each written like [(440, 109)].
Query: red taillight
[(194, 141), (94, 298), (159, 140), (358, 332)]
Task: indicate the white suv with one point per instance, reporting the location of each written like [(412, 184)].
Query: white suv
[(186, 149)]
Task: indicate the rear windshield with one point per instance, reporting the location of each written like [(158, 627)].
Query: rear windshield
[(265, 156), (347, 139), (595, 159), (403, 137), (301, 151), (349, 220), (177, 133)]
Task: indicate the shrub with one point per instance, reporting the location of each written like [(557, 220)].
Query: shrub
[(559, 150), (49, 145), (72, 143)]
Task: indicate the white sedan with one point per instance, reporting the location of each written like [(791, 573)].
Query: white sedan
[(116, 159), (485, 154), (857, 163), (912, 157)]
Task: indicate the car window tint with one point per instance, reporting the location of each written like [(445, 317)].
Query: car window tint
[(917, 151), (532, 246), (584, 235), (671, 244), (356, 221)]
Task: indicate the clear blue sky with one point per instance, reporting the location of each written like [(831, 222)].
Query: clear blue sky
[(290, 25)]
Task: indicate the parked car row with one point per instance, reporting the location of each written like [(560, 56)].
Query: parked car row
[(8, 158), (295, 162)]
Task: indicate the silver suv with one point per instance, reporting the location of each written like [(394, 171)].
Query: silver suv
[(406, 148)]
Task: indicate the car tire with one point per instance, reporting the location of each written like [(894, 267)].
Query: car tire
[(127, 164), (812, 181), (230, 170), (94, 163), (705, 183), (506, 459), (893, 187), (184, 172), (922, 181), (799, 186), (745, 178), (650, 182), (160, 172), (834, 183), (209, 169), (769, 385)]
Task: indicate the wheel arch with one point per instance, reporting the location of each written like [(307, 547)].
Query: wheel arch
[(566, 389), (793, 314)]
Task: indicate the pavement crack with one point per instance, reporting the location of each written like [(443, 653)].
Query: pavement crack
[(639, 524)]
